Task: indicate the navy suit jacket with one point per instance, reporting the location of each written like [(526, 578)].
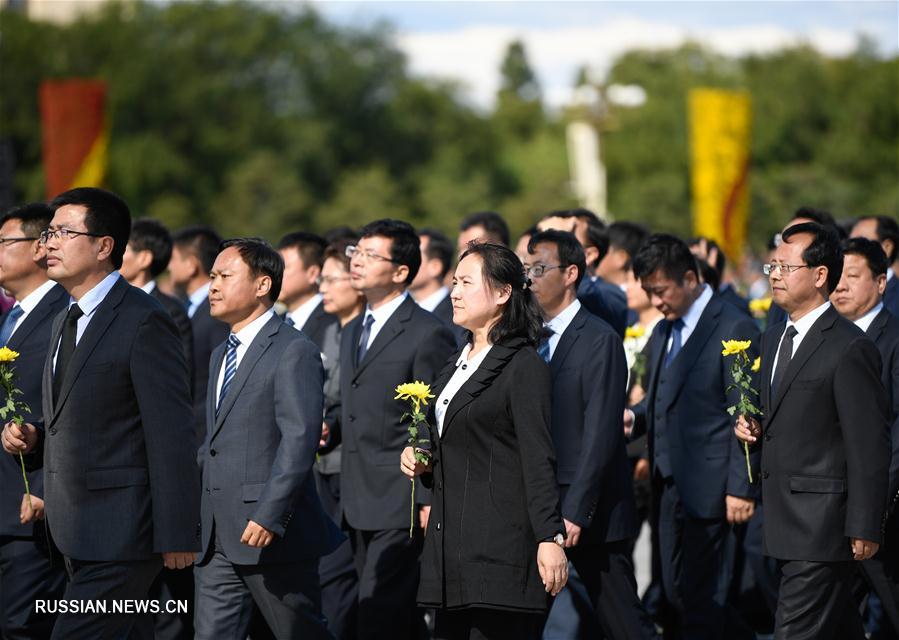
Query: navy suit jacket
[(589, 373), (257, 459), (884, 331), (412, 345), (730, 295), (120, 475), (692, 397), (891, 295), (605, 301), (179, 314), (209, 333), (31, 340)]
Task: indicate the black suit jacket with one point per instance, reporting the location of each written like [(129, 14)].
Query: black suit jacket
[(589, 379), (605, 301), (317, 325), (208, 334), (495, 496), (891, 296), (444, 313), (691, 396), (884, 331), (176, 309), (120, 475), (31, 340), (412, 345), (826, 445)]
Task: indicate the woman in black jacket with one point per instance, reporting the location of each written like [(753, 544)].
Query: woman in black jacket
[(493, 547)]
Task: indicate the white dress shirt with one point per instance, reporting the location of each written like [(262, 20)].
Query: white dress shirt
[(301, 315), (246, 337), (802, 327), (558, 325), (29, 302), (148, 288), (430, 303), (691, 318), (196, 299), (382, 315), (465, 368), (865, 321), (88, 304)]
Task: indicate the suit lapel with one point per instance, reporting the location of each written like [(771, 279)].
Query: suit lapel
[(47, 388), (37, 316), (255, 351), (680, 367), (388, 333), (878, 325), (772, 339), (566, 341)]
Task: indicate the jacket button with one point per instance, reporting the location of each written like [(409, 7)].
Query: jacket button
[(212, 452), (355, 385), (352, 418), (439, 486), (764, 475), (767, 437), (53, 431), (438, 526)]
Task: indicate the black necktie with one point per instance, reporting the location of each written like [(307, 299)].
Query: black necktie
[(784, 355), (363, 339), (66, 347)]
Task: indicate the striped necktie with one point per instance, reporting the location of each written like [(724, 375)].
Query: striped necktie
[(230, 369), (9, 323)]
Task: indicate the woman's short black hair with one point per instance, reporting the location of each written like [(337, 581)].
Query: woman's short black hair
[(521, 317), (262, 260), (824, 250), (404, 243)]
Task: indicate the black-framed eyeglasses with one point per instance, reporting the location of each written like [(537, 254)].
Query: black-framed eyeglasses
[(4, 242), (538, 270), (64, 234), (369, 256), (768, 269)]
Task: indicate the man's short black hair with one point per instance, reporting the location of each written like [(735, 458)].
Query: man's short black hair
[(310, 246), (628, 236), (404, 245), (818, 215), (34, 217), (201, 241), (823, 251), (597, 232), (439, 247), (569, 249), (107, 215), (871, 251), (887, 229), (151, 235), (341, 233), (495, 227), (667, 253), (262, 260)]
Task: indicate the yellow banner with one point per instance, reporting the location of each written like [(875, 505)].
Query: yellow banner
[(720, 128)]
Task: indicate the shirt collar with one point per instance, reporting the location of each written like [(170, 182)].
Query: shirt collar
[(805, 322), (197, 297), (691, 318), (890, 274), (301, 314), (383, 313), (249, 332), (560, 323), (148, 288), (92, 299), (29, 302), (430, 302), (474, 362), (865, 321)]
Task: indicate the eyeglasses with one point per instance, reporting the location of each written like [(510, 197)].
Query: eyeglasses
[(329, 280), (768, 269), (64, 234), (353, 251), (538, 270), (8, 241)]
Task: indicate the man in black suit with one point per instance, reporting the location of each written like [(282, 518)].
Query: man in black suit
[(824, 440), (884, 230), (859, 298), (589, 370), (304, 255), (428, 288), (392, 342), (121, 482), (603, 299), (264, 529), (27, 571), (700, 481), (193, 254)]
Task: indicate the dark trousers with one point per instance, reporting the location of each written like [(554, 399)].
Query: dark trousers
[(340, 584), (815, 602), (27, 573), (487, 624), (571, 614), (287, 594), (95, 582), (387, 565), (697, 565), (174, 584), (608, 576), (886, 586)]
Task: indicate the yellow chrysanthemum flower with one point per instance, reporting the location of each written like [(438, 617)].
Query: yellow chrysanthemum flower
[(8, 355), (417, 392), (733, 347), (756, 364), (761, 305), (636, 331)]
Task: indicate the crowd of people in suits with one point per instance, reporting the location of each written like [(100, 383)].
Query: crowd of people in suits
[(213, 421)]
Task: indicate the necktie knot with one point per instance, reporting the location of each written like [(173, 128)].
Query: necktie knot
[(369, 320), (233, 342), (290, 321), (9, 323), (791, 332), (74, 313)]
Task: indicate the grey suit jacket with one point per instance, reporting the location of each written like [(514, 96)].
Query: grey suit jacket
[(120, 479), (257, 458)]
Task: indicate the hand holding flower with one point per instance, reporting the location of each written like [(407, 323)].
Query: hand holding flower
[(410, 465)]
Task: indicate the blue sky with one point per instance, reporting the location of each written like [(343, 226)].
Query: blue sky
[(465, 40)]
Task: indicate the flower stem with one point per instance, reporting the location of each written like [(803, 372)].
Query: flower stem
[(25, 478), (412, 509), (748, 468)]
